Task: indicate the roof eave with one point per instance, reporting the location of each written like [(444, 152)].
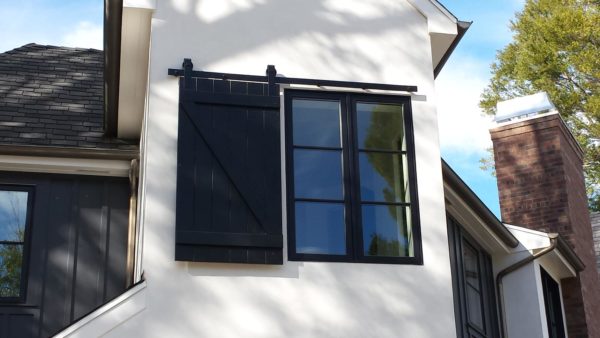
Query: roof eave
[(565, 249), (470, 198), (462, 27)]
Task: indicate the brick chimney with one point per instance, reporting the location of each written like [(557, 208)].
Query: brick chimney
[(541, 186)]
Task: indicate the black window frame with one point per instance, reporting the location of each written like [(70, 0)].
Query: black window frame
[(351, 179), (552, 304), (25, 243), (457, 239)]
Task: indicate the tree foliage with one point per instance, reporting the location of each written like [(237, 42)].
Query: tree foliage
[(11, 259), (556, 49)]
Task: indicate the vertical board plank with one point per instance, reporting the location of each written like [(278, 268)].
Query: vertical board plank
[(21, 326), (91, 219), (115, 279), (185, 172), (56, 302), (244, 164)]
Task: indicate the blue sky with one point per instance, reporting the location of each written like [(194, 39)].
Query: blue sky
[(464, 135), (51, 22), (463, 131)]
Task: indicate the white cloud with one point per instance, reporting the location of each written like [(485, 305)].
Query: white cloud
[(463, 128), (86, 35)]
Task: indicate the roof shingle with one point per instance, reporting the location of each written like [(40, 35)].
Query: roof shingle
[(54, 96)]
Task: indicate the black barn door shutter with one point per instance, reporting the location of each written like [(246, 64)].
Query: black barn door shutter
[(228, 172)]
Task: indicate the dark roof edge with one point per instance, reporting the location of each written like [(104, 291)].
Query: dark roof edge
[(113, 17), (462, 27), (69, 152), (569, 254), (464, 192)]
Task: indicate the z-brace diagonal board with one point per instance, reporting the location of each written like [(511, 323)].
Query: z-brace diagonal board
[(200, 116)]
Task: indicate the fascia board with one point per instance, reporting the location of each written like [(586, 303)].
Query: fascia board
[(146, 4), (133, 77), (473, 223), (62, 165), (439, 20)]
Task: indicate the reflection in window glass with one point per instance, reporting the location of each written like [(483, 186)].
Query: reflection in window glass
[(316, 123), (320, 228), (11, 259), (383, 177), (386, 231), (552, 303), (472, 273), (352, 182), (318, 174), (474, 307), (380, 126), (13, 214), (13, 217)]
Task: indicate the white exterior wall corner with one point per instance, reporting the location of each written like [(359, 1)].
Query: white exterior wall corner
[(380, 41), (522, 300), (525, 311)]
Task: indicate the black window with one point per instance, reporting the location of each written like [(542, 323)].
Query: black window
[(351, 180), (554, 317), (473, 285), (15, 206)]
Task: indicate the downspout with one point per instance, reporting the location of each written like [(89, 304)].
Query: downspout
[(131, 235), (499, 292)]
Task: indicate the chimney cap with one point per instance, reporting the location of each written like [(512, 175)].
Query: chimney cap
[(521, 107)]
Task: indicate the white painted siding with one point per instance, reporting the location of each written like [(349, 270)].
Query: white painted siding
[(356, 40)]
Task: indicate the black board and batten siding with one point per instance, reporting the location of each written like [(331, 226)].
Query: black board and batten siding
[(228, 172), (76, 251)]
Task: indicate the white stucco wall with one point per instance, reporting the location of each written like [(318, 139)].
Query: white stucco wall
[(522, 299), (383, 41)]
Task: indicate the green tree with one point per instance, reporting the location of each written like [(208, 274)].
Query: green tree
[(11, 258), (556, 49)]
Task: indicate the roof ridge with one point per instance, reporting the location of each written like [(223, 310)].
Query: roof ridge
[(33, 45)]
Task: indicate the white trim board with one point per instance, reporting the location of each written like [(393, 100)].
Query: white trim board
[(108, 316), (61, 165)]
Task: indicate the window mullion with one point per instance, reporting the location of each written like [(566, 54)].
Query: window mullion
[(348, 216), (354, 179)]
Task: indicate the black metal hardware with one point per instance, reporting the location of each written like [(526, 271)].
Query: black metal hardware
[(273, 80), (187, 72)]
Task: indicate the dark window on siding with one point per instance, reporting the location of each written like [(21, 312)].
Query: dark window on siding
[(15, 209), (473, 285), (554, 317), (351, 180)]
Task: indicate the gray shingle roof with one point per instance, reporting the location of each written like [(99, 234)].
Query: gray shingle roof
[(53, 96)]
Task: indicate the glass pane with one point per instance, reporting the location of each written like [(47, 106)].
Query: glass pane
[(471, 265), (13, 215), (380, 126), (320, 228), (11, 258), (316, 123), (474, 307), (383, 177), (318, 174), (386, 231)]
